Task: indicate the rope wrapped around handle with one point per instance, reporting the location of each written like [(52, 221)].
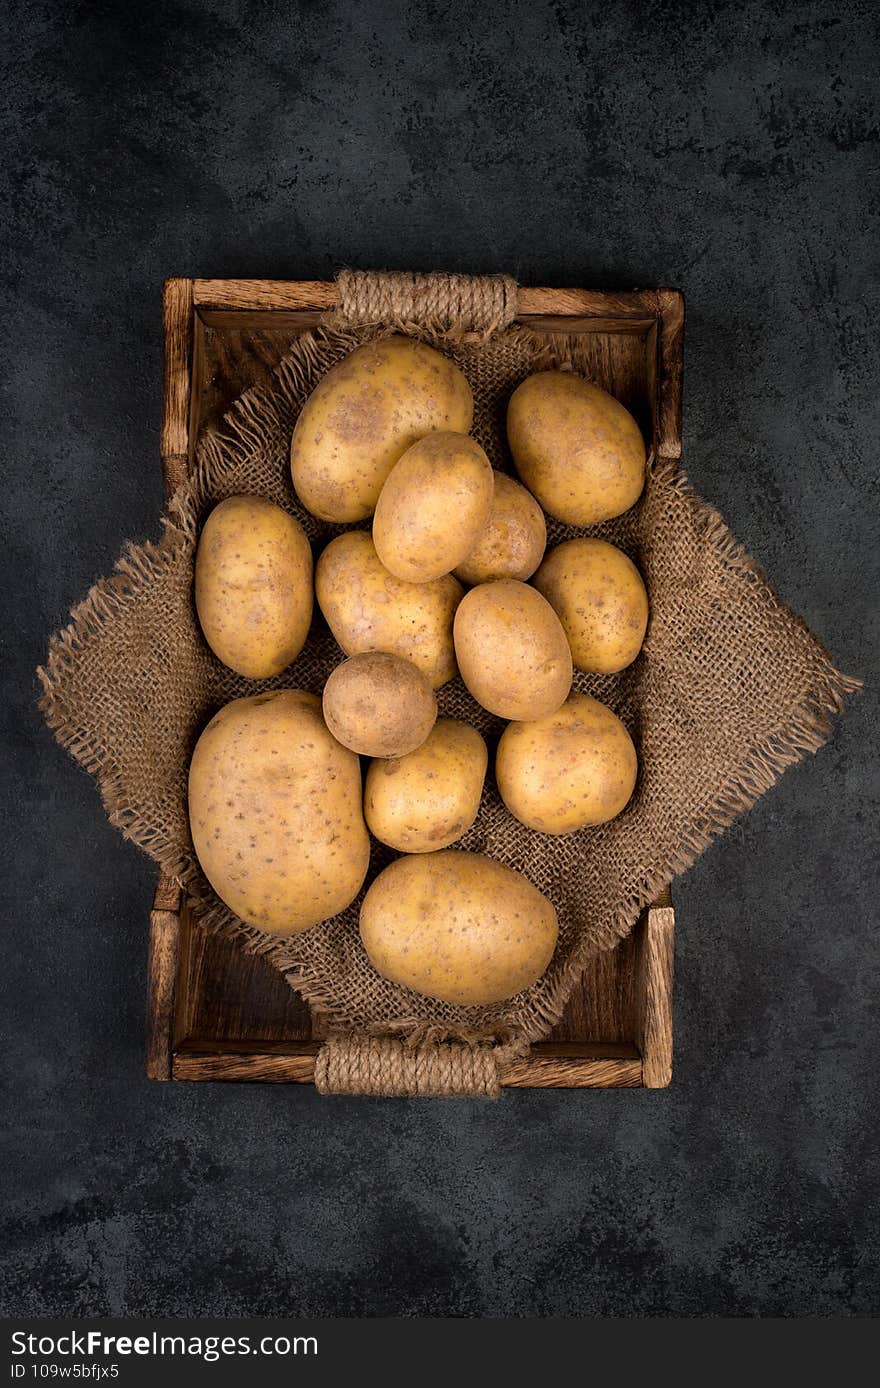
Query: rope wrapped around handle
[(468, 303), (358, 1064)]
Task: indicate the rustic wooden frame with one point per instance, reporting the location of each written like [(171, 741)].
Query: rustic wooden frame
[(634, 998)]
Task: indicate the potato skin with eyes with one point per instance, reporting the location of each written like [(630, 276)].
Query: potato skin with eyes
[(575, 767), (575, 447), (379, 705), (511, 650), (457, 926), (253, 585), (427, 799), (363, 414), (512, 542), (368, 609), (600, 598), (433, 506), (275, 812)]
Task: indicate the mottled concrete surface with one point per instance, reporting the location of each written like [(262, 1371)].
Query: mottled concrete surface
[(728, 149)]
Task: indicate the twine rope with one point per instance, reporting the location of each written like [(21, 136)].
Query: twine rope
[(357, 1064), (470, 303)]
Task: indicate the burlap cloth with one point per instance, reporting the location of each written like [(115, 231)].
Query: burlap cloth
[(730, 689)]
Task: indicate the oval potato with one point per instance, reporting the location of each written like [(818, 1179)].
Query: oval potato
[(512, 542), (457, 926), (511, 650), (575, 767), (364, 414), (368, 609), (575, 447), (600, 598), (253, 585), (379, 705), (275, 812), (430, 797), (432, 507)]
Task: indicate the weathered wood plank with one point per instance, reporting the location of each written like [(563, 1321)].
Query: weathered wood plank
[(545, 1068), (177, 319), (161, 987), (321, 294), (655, 997), (670, 304)]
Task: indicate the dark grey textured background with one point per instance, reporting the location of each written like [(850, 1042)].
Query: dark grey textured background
[(722, 148)]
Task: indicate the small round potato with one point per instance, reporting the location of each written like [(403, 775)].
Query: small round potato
[(457, 926), (275, 812), (379, 705), (429, 798), (253, 586), (511, 650), (368, 609), (432, 507), (512, 542), (576, 447), (600, 599), (575, 767), (364, 414)]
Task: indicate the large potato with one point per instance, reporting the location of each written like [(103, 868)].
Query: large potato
[(576, 447), (364, 414), (432, 507), (575, 767), (379, 705), (511, 543), (253, 585), (429, 798), (600, 599), (275, 812), (511, 650), (457, 926), (368, 609)]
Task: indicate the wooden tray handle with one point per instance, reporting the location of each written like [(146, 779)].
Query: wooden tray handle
[(470, 303), (360, 1064)]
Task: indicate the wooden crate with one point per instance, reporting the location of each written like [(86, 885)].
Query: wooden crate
[(217, 1013)]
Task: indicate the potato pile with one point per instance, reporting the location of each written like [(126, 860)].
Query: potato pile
[(280, 816)]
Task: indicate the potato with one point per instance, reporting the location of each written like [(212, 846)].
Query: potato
[(576, 447), (253, 586), (379, 705), (275, 812), (364, 414), (511, 650), (368, 609), (600, 599), (457, 926), (511, 543), (432, 507), (429, 798), (575, 767)]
